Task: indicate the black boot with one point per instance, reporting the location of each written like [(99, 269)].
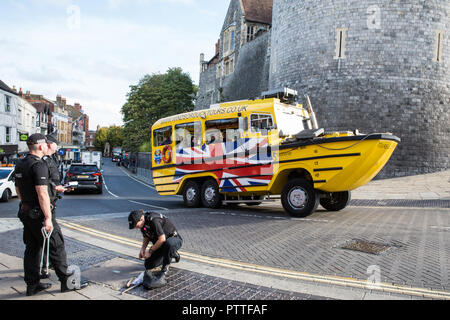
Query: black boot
[(165, 270), (44, 275), (177, 257), (32, 290)]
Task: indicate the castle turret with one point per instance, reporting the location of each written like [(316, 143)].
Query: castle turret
[(382, 67)]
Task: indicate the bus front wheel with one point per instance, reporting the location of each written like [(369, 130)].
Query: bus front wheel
[(299, 198)]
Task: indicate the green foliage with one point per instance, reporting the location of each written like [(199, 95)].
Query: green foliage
[(156, 96), (113, 135)]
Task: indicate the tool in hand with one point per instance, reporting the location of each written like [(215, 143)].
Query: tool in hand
[(46, 235)]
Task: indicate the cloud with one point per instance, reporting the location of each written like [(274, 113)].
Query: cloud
[(96, 63)]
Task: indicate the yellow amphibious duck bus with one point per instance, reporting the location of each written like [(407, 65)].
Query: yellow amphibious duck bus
[(259, 150)]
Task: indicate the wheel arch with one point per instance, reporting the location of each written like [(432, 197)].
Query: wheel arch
[(289, 174), (198, 179)]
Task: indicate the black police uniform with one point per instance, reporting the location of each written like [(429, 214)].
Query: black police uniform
[(156, 225), (55, 178), (31, 172)]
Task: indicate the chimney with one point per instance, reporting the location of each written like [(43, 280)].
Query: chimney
[(218, 46), (58, 99), (14, 89), (20, 92), (28, 95)]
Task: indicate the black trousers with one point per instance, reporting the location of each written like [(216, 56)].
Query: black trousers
[(163, 256), (33, 240)]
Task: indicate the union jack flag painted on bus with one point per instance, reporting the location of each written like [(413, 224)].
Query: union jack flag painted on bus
[(238, 165)]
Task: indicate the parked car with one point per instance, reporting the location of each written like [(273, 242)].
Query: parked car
[(7, 184), (88, 176), (116, 159)]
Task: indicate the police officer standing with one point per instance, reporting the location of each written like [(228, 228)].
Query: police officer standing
[(32, 185), (162, 233), (55, 186)]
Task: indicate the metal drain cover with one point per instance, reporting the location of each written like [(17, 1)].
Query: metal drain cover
[(366, 246)]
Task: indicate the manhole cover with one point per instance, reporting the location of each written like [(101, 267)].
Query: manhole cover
[(366, 246)]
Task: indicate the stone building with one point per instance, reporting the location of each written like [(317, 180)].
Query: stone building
[(378, 67), (240, 65), (8, 123)]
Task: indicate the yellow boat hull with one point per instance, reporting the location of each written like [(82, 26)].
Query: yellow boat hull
[(338, 166)]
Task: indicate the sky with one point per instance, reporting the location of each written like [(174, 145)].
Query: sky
[(90, 52)]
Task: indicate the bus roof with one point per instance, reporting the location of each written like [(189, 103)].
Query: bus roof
[(218, 110)]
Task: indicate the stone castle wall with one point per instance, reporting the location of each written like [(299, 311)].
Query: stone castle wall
[(388, 80)]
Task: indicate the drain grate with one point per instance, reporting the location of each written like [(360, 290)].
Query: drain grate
[(366, 246)]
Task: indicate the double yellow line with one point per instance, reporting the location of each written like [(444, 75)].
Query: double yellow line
[(304, 276)]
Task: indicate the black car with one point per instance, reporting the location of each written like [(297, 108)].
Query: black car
[(88, 176)]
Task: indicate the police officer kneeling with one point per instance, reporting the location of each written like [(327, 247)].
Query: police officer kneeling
[(32, 185), (165, 239)]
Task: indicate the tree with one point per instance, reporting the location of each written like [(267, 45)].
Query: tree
[(156, 96), (113, 135), (101, 138)]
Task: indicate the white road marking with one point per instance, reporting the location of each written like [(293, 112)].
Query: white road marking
[(148, 205), (104, 182), (143, 183)]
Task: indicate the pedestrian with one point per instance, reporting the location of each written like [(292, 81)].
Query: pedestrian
[(55, 189), (159, 230), (35, 212)]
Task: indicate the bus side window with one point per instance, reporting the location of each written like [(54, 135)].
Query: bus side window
[(162, 137), (220, 131), (188, 135), (261, 123)]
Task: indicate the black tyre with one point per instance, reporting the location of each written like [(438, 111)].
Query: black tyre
[(6, 195), (336, 201), (211, 198), (299, 198), (191, 194)]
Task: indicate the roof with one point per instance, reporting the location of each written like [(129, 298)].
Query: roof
[(73, 113), (258, 10), (4, 87)]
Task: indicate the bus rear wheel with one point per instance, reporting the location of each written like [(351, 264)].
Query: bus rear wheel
[(336, 201), (191, 194), (299, 198), (211, 197)]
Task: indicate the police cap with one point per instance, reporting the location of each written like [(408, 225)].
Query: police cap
[(134, 218), (51, 138), (36, 138)]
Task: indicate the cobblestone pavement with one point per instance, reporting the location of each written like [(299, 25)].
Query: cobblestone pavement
[(417, 240), (187, 285), (183, 285)]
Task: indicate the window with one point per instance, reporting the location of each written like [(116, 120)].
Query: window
[(8, 104), (341, 38), (251, 32), (261, 122), (8, 134), (439, 44), (19, 116), (229, 66), (223, 130), (229, 40), (162, 137), (188, 135)]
